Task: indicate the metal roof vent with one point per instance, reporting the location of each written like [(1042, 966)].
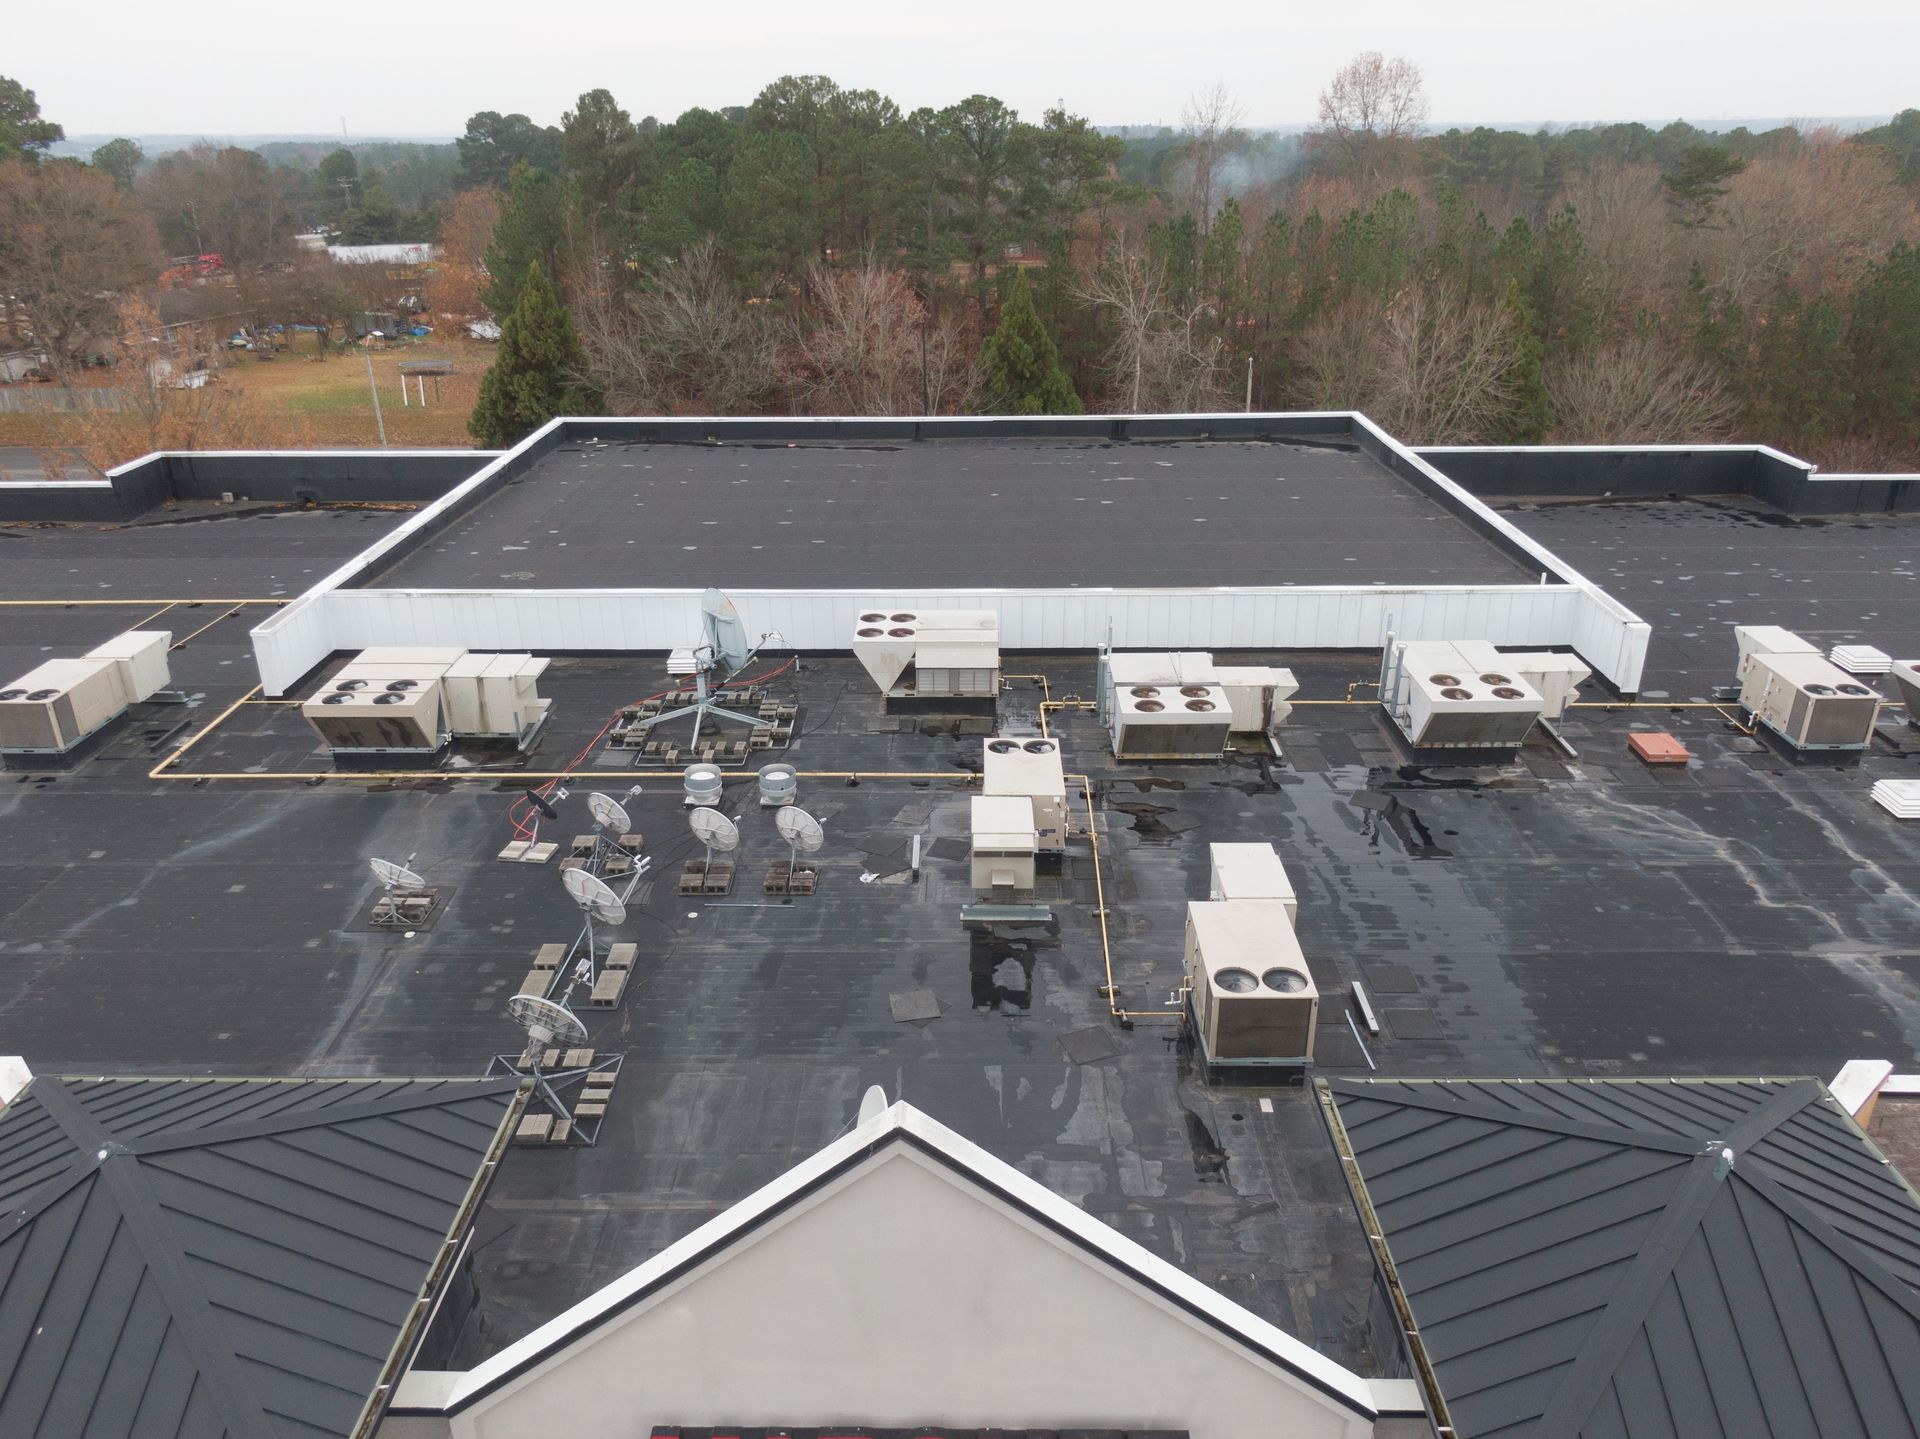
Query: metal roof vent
[(1144, 692), (1495, 680), (336, 699), (1194, 692), (901, 633), (11, 694), (1152, 707), (869, 632), (1506, 692), (1454, 692), (1002, 746), (390, 699), (873, 617), (1039, 746), (903, 619), (1443, 680), (402, 686), (347, 687), (1819, 689), (43, 694), (1200, 706), (1853, 689), (1284, 981), (1236, 981)]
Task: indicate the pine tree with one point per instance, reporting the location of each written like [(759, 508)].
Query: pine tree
[(540, 371), (1018, 364)]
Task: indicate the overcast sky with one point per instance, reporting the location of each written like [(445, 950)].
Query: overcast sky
[(398, 68)]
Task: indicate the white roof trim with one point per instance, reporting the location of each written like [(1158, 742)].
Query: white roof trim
[(431, 1391)]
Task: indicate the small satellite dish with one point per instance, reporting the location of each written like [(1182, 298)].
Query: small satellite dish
[(591, 893), (539, 802), (608, 814), (799, 829), (395, 876), (713, 829), (873, 1103), (726, 636), (545, 1021)]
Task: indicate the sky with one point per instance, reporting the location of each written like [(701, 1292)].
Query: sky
[(403, 69)]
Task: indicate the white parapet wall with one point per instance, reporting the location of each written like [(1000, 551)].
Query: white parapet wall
[(290, 644)]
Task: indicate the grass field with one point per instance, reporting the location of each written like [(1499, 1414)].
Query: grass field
[(329, 400), (302, 400)]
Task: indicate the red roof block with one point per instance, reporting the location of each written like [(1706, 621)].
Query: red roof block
[(1655, 747)]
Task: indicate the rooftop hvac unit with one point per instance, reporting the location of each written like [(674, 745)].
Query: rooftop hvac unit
[(1556, 677), (953, 653), (1756, 640), (1808, 701), (432, 660), (493, 696), (1257, 695), (1451, 707), (50, 709), (140, 657), (375, 715), (1253, 998), (1004, 844), (1250, 871), (1031, 769), (1164, 722), (1906, 679)]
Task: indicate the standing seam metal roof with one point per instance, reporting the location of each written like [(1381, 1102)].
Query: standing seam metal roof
[(225, 1257), (1580, 1259)]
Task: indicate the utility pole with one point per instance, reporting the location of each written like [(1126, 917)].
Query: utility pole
[(1249, 384), (366, 353)]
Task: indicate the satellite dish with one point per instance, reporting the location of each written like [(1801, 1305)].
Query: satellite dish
[(395, 876), (591, 893), (545, 1021), (799, 829), (539, 802), (608, 814), (726, 636), (714, 829)]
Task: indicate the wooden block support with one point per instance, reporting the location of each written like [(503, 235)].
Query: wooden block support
[(535, 1128), (538, 981), (561, 1129), (583, 1110), (578, 1058), (550, 956), (621, 956)]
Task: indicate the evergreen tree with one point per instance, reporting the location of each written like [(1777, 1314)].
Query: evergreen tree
[(540, 371), (1532, 411), (1019, 365)]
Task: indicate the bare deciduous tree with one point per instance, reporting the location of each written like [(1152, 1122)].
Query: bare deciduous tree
[(1157, 362), (164, 406), (869, 346), (70, 241), (1623, 219), (460, 274), (1211, 124), (1635, 391), (1371, 106), (686, 342), (1426, 365)]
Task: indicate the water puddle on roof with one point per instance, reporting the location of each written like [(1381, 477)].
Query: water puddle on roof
[(1209, 1159)]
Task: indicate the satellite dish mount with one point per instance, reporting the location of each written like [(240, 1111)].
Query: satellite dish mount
[(545, 1022), (722, 654)]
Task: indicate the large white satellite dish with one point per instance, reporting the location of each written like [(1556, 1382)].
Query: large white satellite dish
[(722, 653), (803, 834), (609, 814), (395, 876), (546, 1021), (714, 829), (799, 829), (591, 893), (726, 636)]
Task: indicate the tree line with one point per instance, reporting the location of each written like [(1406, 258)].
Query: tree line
[(822, 249)]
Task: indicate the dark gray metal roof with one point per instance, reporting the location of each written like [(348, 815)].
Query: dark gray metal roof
[(241, 1258), (1580, 1260)]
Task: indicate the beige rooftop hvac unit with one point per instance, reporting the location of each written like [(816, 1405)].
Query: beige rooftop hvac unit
[(1004, 843), (140, 657), (1808, 701), (1465, 703), (375, 714), (493, 696), (954, 654), (1906, 677), (1253, 998), (1257, 695), (1170, 722), (51, 708), (1756, 640), (1250, 871), (1030, 769)]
